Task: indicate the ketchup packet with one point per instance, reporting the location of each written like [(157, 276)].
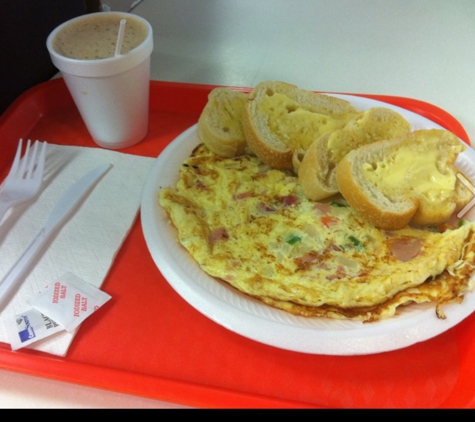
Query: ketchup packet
[(69, 301)]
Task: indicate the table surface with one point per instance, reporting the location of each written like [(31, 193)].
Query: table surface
[(411, 48)]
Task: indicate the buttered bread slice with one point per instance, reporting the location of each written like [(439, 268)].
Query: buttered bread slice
[(317, 169), (280, 119), (412, 179)]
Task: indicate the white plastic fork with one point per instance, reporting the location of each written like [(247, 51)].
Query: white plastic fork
[(25, 177)]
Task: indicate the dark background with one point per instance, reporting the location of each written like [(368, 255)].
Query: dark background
[(24, 27)]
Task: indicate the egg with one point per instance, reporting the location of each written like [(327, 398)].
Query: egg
[(252, 227)]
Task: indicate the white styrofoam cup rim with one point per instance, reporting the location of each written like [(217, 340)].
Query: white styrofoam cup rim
[(101, 67)]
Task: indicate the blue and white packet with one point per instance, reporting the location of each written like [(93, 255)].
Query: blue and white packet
[(29, 327)]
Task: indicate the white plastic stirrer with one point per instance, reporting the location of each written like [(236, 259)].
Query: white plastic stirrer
[(120, 37)]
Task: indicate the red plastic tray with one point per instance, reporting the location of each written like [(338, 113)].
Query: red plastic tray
[(149, 342)]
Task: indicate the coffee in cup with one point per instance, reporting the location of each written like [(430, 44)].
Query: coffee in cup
[(95, 37)]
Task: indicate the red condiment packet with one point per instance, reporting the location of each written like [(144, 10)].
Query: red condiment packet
[(69, 301)]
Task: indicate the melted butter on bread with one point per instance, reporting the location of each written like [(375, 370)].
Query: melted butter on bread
[(372, 125), (411, 179), (281, 119), (298, 126), (318, 167), (416, 167)]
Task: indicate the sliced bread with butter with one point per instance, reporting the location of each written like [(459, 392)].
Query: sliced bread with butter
[(220, 123), (280, 119), (317, 169), (411, 179)]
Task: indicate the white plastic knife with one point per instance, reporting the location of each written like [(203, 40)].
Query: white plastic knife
[(62, 210)]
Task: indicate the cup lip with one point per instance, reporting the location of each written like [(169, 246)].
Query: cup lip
[(101, 67)]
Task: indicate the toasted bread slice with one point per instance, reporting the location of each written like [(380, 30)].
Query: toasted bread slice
[(220, 123), (280, 118), (317, 170), (407, 180)]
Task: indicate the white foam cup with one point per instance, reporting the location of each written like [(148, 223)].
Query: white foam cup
[(111, 94)]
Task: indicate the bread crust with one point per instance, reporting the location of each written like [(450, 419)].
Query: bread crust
[(267, 145), (316, 174), (220, 123)]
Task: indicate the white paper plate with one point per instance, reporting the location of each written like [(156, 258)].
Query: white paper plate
[(257, 321)]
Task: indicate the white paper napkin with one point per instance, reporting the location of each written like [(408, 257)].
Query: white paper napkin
[(88, 243)]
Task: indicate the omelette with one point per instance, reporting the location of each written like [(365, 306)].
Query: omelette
[(251, 227)]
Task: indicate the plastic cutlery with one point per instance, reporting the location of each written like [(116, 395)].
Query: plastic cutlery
[(62, 210)]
